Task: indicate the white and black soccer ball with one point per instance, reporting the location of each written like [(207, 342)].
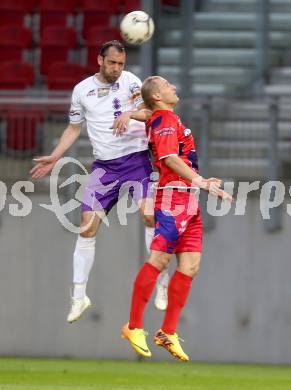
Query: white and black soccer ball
[(137, 27)]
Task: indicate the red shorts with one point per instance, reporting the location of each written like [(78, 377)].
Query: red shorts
[(178, 222)]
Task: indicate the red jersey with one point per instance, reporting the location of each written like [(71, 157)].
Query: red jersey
[(169, 137)]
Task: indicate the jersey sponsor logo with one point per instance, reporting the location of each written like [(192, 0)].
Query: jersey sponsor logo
[(115, 87), (165, 131), (91, 93), (134, 88), (104, 91), (187, 132), (116, 104), (74, 113)]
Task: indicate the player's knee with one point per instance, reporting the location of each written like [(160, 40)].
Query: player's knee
[(194, 268), (160, 261), (90, 233), (89, 225), (164, 261)]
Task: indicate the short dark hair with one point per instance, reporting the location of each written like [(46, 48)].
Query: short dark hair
[(148, 88), (116, 44)]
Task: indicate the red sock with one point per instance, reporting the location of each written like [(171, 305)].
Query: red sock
[(142, 290), (178, 292)]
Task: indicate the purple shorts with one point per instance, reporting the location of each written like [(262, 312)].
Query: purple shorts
[(110, 179)]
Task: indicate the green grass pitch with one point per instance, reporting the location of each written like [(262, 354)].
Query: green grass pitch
[(45, 374)]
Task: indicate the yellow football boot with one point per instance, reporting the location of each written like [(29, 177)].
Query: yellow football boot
[(137, 338), (171, 343)]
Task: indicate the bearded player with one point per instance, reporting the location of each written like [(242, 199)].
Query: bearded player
[(110, 98)]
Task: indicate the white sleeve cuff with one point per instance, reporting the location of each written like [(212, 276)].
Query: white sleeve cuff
[(168, 155)]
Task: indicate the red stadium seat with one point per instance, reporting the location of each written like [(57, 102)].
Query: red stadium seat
[(56, 41), (172, 3), (22, 131), (55, 12), (110, 7), (91, 19), (13, 39), (63, 76), (12, 12), (96, 37), (31, 5), (97, 13), (58, 5), (131, 5), (16, 75)]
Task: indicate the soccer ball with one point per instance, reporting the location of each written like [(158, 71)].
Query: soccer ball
[(137, 27)]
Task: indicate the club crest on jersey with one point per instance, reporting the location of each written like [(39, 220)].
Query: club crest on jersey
[(115, 87), (104, 91), (91, 93), (116, 104), (187, 132)]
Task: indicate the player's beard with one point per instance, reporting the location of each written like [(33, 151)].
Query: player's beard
[(109, 77)]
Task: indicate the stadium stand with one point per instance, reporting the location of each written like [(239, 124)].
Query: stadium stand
[(16, 75), (224, 39), (56, 12), (239, 128), (173, 3), (96, 36), (12, 12), (224, 58), (63, 76), (224, 55), (97, 14), (130, 5), (22, 133), (56, 42), (13, 40)]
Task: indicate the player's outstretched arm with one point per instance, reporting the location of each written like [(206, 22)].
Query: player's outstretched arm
[(212, 185), (120, 124), (45, 164)]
